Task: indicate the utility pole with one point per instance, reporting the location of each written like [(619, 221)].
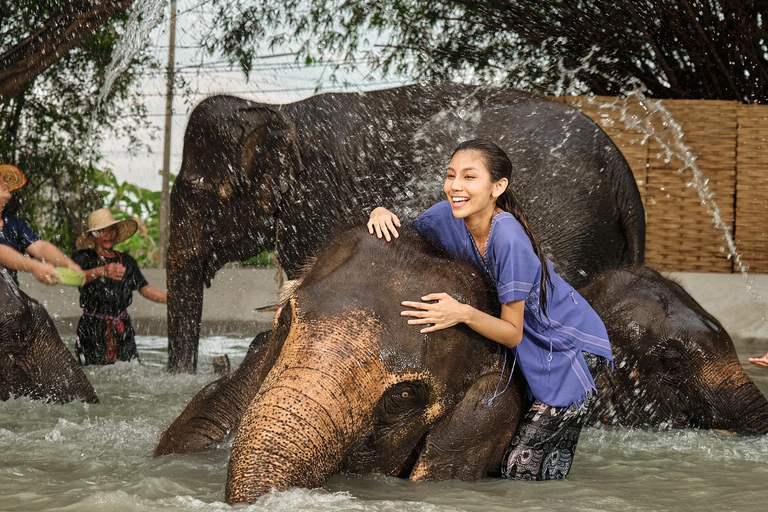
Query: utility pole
[(165, 192)]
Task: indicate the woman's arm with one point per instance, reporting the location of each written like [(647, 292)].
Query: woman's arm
[(43, 250), (447, 312), (384, 223), (94, 273), (12, 259), (154, 294), (762, 362)]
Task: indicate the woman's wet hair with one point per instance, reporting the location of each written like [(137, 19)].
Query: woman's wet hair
[(499, 165)]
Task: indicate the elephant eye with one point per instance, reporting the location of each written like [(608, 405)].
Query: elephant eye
[(405, 396), (403, 392)]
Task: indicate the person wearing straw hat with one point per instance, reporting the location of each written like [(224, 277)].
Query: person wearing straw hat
[(104, 331), (18, 241)]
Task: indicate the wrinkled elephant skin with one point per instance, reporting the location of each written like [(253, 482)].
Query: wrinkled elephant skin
[(354, 388), (258, 177), (34, 362), (676, 367)]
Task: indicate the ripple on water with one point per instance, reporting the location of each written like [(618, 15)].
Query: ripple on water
[(80, 457)]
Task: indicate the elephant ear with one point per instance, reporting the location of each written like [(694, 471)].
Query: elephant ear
[(469, 442)]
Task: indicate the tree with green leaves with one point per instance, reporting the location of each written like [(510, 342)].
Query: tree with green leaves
[(672, 48)]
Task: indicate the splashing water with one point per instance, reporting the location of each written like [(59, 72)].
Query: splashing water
[(92, 457), (144, 16), (658, 124)]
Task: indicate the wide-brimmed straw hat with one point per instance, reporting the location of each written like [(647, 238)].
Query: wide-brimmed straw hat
[(103, 218), (12, 177)]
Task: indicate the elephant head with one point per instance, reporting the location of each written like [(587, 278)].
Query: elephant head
[(355, 388), (352, 387), (239, 159), (676, 366), (34, 362)]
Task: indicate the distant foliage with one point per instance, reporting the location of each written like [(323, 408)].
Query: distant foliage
[(674, 48), (263, 259), (128, 201)]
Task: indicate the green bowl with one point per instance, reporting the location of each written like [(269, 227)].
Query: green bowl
[(70, 277)]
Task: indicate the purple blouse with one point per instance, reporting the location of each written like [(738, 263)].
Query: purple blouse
[(550, 353)]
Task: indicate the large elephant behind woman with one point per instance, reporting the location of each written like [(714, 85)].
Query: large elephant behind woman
[(260, 177)]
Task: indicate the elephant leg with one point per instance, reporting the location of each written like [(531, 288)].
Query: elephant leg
[(215, 412), (185, 310), (470, 442)]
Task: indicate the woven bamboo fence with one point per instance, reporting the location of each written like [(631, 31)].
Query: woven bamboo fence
[(728, 143)]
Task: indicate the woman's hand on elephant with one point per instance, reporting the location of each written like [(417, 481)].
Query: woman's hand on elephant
[(442, 311), (383, 223)]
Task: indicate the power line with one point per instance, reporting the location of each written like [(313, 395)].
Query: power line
[(262, 91), (280, 90)]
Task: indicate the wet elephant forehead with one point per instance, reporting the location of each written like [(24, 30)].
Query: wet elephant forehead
[(339, 341), (358, 334)]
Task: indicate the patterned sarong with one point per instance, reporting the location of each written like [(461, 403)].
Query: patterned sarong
[(115, 327), (545, 442)]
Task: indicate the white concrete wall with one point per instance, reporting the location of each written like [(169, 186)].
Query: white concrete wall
[(229, 304)]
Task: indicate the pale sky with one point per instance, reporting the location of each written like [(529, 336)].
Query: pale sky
[(274, 79)]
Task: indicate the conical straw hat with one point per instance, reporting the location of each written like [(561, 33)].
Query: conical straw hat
[(12, 177), (103, 218)]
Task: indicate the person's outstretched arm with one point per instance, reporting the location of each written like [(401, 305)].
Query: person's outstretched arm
[(762, 362), (43, 250), (12, 259), (154, 294)]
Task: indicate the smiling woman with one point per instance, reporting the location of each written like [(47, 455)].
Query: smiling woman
[(552, 333), (104, 332)]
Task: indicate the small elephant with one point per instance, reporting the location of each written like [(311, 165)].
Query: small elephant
[(257, 177), (676, 366), (34, 362), (345, 384)]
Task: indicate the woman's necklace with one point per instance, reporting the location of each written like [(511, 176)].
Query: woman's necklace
[(112, 254), (481, 246), (105, 254)]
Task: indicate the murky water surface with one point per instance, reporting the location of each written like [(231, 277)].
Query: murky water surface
[(81, 457)]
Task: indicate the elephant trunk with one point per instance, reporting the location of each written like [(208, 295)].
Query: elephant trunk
[(185, 309), (742, 406), (315, 403)]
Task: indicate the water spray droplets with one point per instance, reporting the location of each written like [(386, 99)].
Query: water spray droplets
[(144, 16)]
